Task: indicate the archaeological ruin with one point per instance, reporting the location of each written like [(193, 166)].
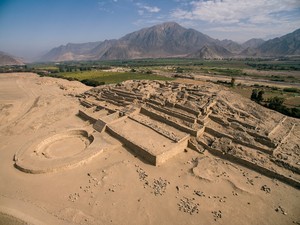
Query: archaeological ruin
[(156, 120)]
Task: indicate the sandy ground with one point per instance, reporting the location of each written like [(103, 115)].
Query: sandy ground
[(116, 187)]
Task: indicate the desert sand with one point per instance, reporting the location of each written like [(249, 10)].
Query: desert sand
[(70, 154)]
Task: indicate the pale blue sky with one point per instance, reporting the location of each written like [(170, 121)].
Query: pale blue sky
[(32, 27)]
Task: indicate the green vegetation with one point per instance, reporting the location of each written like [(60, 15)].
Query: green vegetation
[(95, 78), (277, 65), (257, 95), (94, 73), (223, 71), (232, 82), (275, 103), (104, 77), (293, 90)]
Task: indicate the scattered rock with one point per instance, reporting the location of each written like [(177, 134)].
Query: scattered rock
[(281, 210), (142, 174), (234, 193), (199, 193), (250, 181), (74, 197), (188, 206), (217, 215), (159, 186), (265, 188)]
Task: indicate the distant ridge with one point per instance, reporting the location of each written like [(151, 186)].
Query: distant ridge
[(172, 40), (211, 52), (253, 43), (70, 52), (288, 44), (8, 60)]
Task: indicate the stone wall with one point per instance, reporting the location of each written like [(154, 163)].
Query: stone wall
[(85, 116), (173, 113), (179, 106), (252, 166), (158, 117), (136, 148)]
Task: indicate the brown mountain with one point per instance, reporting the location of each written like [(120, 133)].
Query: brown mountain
[(253, 43), (6, 60), (286, 45), (211, 52), (172, 40), (163, 40), (70, 52), (231, 46)]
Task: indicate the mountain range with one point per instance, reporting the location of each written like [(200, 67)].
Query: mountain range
[(172, 40), (7, 59)]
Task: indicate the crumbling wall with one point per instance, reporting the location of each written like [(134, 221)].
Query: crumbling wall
[(179, 106), (135, 147), (158, 117), (173, 113), (252, 166), (85, 116)]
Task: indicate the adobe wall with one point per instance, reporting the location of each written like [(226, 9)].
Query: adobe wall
[(268, 151), (114, 102), (286, 165), (100, 125), (85, 116), (112, 96), (156, 102), (243, 124), (220, 135), (85, 103), (277, 126), (179, 106), (207, 106), (203, 120), (172, 113), (127, 93), (250, 165), (99, 106), (216, 133), (263, 140), (136, 148), (169, 122), (219, 120), (178, 148), (194, 146), (158, 130)]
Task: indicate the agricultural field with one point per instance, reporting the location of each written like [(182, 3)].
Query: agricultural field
[(106, 77), (276, 78)]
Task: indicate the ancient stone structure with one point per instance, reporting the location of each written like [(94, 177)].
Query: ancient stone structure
[(60, 151), (157, 120)]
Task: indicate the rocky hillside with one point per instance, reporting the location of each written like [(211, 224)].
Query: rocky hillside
[(70, 52), (6, 59), (172, 40), (211, 52), (286, 45), (253, 43)]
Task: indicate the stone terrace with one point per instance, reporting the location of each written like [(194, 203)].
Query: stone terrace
[(158, 120)]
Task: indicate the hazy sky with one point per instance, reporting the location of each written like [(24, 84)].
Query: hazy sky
[(32, 27)]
